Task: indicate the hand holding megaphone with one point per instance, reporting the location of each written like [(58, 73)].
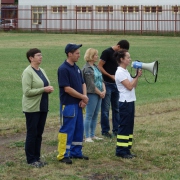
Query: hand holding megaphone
[(139, 72), (152, 67)]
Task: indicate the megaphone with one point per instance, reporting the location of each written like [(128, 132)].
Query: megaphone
[(152, 67)]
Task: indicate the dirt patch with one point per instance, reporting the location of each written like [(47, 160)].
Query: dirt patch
[(8, 151)]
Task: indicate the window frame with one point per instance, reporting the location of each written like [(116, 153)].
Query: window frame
[(104, 9), (83, 9), (37, 12), (59, 9)]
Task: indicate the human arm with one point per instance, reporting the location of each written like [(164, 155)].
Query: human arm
[(103, 71), (101, 93), (132, 84), (31, 85), (72, 92)]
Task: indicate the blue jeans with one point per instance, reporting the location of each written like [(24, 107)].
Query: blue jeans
[(92, 110), (111, 98)]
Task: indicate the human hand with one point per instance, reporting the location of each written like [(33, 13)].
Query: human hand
[(48, 89), (139, 72), (113, 77), (102, 94), (82, 104), (85, 99)]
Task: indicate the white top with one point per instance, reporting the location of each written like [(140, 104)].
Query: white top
[(124, 94)]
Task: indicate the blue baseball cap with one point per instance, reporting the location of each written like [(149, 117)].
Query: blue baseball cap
[(69, 47)]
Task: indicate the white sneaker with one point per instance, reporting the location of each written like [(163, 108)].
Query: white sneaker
[(88, 140), (97, 138)]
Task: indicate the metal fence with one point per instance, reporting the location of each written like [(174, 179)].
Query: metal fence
[(113, 19)]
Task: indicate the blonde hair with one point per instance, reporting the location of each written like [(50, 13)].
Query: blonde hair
[(89, 54)]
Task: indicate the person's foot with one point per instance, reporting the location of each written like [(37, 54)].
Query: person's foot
[(88, 140), (36, 164), (80, 157), (43, 163), (125, 156), (96, 138), (66, 160), (107, 134), (133, 155)]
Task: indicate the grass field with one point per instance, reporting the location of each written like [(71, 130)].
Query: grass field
[(156, 136)]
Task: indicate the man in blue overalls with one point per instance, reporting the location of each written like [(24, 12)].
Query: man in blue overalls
[(73, 98)]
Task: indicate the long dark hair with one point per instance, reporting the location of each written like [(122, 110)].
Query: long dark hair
[(120, 54)]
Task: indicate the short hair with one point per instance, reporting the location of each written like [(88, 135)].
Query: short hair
[(124, 44), (32, 52), (89, 54), (120, 54)]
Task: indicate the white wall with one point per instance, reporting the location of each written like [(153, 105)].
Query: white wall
[(99, 2)]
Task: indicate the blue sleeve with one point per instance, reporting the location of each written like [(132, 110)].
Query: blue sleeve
[(63, 77)]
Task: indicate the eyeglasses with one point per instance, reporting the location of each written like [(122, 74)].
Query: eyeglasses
[(38, 54)]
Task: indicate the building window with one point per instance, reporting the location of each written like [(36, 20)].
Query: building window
[(152, 9), (37, 14), (57, 9), (103, 9), (175, 9), (84, 9), (129, 9)]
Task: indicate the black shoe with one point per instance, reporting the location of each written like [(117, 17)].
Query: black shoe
[(43, 163), (133, 155), (125, 156), (66, 160), (107, 134), (36, 164), (81, 157)]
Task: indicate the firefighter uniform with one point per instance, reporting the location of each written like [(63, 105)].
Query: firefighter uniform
[(70, 135), (126, 111)]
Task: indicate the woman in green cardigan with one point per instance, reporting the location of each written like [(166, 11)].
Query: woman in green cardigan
[(36, 87)]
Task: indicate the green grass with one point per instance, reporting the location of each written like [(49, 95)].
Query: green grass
[(156, 136)]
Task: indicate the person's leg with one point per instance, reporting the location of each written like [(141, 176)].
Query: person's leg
[(131, 124), (66, 131), (105, 106), (40, 130), (122, 148), (90, 109), (115, 109), (97, 105), (76, 147), (32, 120)]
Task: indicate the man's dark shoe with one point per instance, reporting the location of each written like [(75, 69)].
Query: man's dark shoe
[(125, 156), (107, 134), (81, 157), (66, 160)]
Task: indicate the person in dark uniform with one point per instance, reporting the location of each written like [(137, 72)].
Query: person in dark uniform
[(108, 66), (126, 87), (73, 98)]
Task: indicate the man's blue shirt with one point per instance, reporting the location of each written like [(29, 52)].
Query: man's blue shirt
[(69, 75)]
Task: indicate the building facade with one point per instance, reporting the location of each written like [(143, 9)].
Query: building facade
[(99, 15)]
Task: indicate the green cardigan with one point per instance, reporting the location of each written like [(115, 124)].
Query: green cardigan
[(33, 88)]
